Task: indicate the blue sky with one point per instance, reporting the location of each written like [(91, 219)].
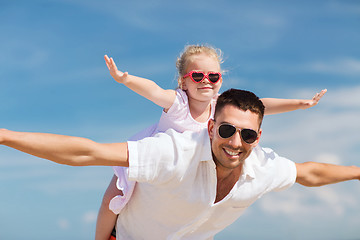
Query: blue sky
[(53, 79)]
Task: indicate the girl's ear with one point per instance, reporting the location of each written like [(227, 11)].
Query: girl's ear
[(183, 85)]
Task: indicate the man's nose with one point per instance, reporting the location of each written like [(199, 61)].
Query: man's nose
[(235, 140)]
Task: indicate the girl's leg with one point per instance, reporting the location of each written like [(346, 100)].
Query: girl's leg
[(106, 218)]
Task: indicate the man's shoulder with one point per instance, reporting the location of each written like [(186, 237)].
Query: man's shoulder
[(192, 144), (265, 157), (171, 139), (185, 136), (264, 163)]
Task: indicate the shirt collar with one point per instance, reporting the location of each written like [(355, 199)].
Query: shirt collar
[(248, 170), (249, 164), (207, 152)]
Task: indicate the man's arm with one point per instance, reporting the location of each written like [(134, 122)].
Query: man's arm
[(74, 151), (313, 174)]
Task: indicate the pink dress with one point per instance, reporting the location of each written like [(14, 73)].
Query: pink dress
[(179, 118)]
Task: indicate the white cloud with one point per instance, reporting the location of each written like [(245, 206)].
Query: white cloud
[(345, 7), (327, 133), (140, 15), (341, 66), (63, 224), (330, 199), (265, 18), (328, 158), (286, 204), (22, 54), (77, 180), (234, 82), (89, 217), (327, 201), (343, 97)]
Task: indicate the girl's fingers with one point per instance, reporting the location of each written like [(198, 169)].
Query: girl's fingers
[(112, 63), (107, 60)]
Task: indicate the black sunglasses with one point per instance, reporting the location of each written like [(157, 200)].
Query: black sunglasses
[(227, 130)]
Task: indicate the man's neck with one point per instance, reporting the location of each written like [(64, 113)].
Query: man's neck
[(226, 180)]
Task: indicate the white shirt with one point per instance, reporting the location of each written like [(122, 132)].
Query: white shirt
[(178, 117), (176, 190)]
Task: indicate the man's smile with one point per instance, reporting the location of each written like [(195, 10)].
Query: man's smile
[(232, 152)]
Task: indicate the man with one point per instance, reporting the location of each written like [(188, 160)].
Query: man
[(190, 185)]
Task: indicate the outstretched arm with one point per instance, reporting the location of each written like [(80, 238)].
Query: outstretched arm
[(275, 105), (144, 87), (313, 174), (74, 151)]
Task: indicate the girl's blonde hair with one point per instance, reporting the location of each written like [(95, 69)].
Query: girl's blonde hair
[(190, 50)]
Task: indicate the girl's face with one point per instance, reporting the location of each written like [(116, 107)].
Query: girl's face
[(204, 90)]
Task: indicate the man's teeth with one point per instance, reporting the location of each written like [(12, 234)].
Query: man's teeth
[(231, 152)]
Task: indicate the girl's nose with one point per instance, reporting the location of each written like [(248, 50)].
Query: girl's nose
[(205, 80)]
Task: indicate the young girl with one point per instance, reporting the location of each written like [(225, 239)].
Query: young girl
[(187, 108)]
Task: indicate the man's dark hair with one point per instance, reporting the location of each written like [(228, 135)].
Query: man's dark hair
[(241, 99)]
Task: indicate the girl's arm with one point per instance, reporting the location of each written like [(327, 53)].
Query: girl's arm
[(106, 219), (275, 105), (144, 87)]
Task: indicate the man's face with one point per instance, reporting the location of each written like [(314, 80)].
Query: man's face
[(230, 153)]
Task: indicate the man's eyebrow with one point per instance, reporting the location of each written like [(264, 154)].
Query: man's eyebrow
[(223, 122)]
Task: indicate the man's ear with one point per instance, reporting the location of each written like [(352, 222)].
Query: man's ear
[(258, 138), (211, 124)]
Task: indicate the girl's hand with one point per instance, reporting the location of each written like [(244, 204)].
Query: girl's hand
[(119, 76), (315, 100)]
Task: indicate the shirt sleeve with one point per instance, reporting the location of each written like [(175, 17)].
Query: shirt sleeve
[(175, 116), (285, 172), (152, 159), (180, 103)]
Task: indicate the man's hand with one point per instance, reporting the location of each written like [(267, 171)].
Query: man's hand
[(119, 76), (2, 135)]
